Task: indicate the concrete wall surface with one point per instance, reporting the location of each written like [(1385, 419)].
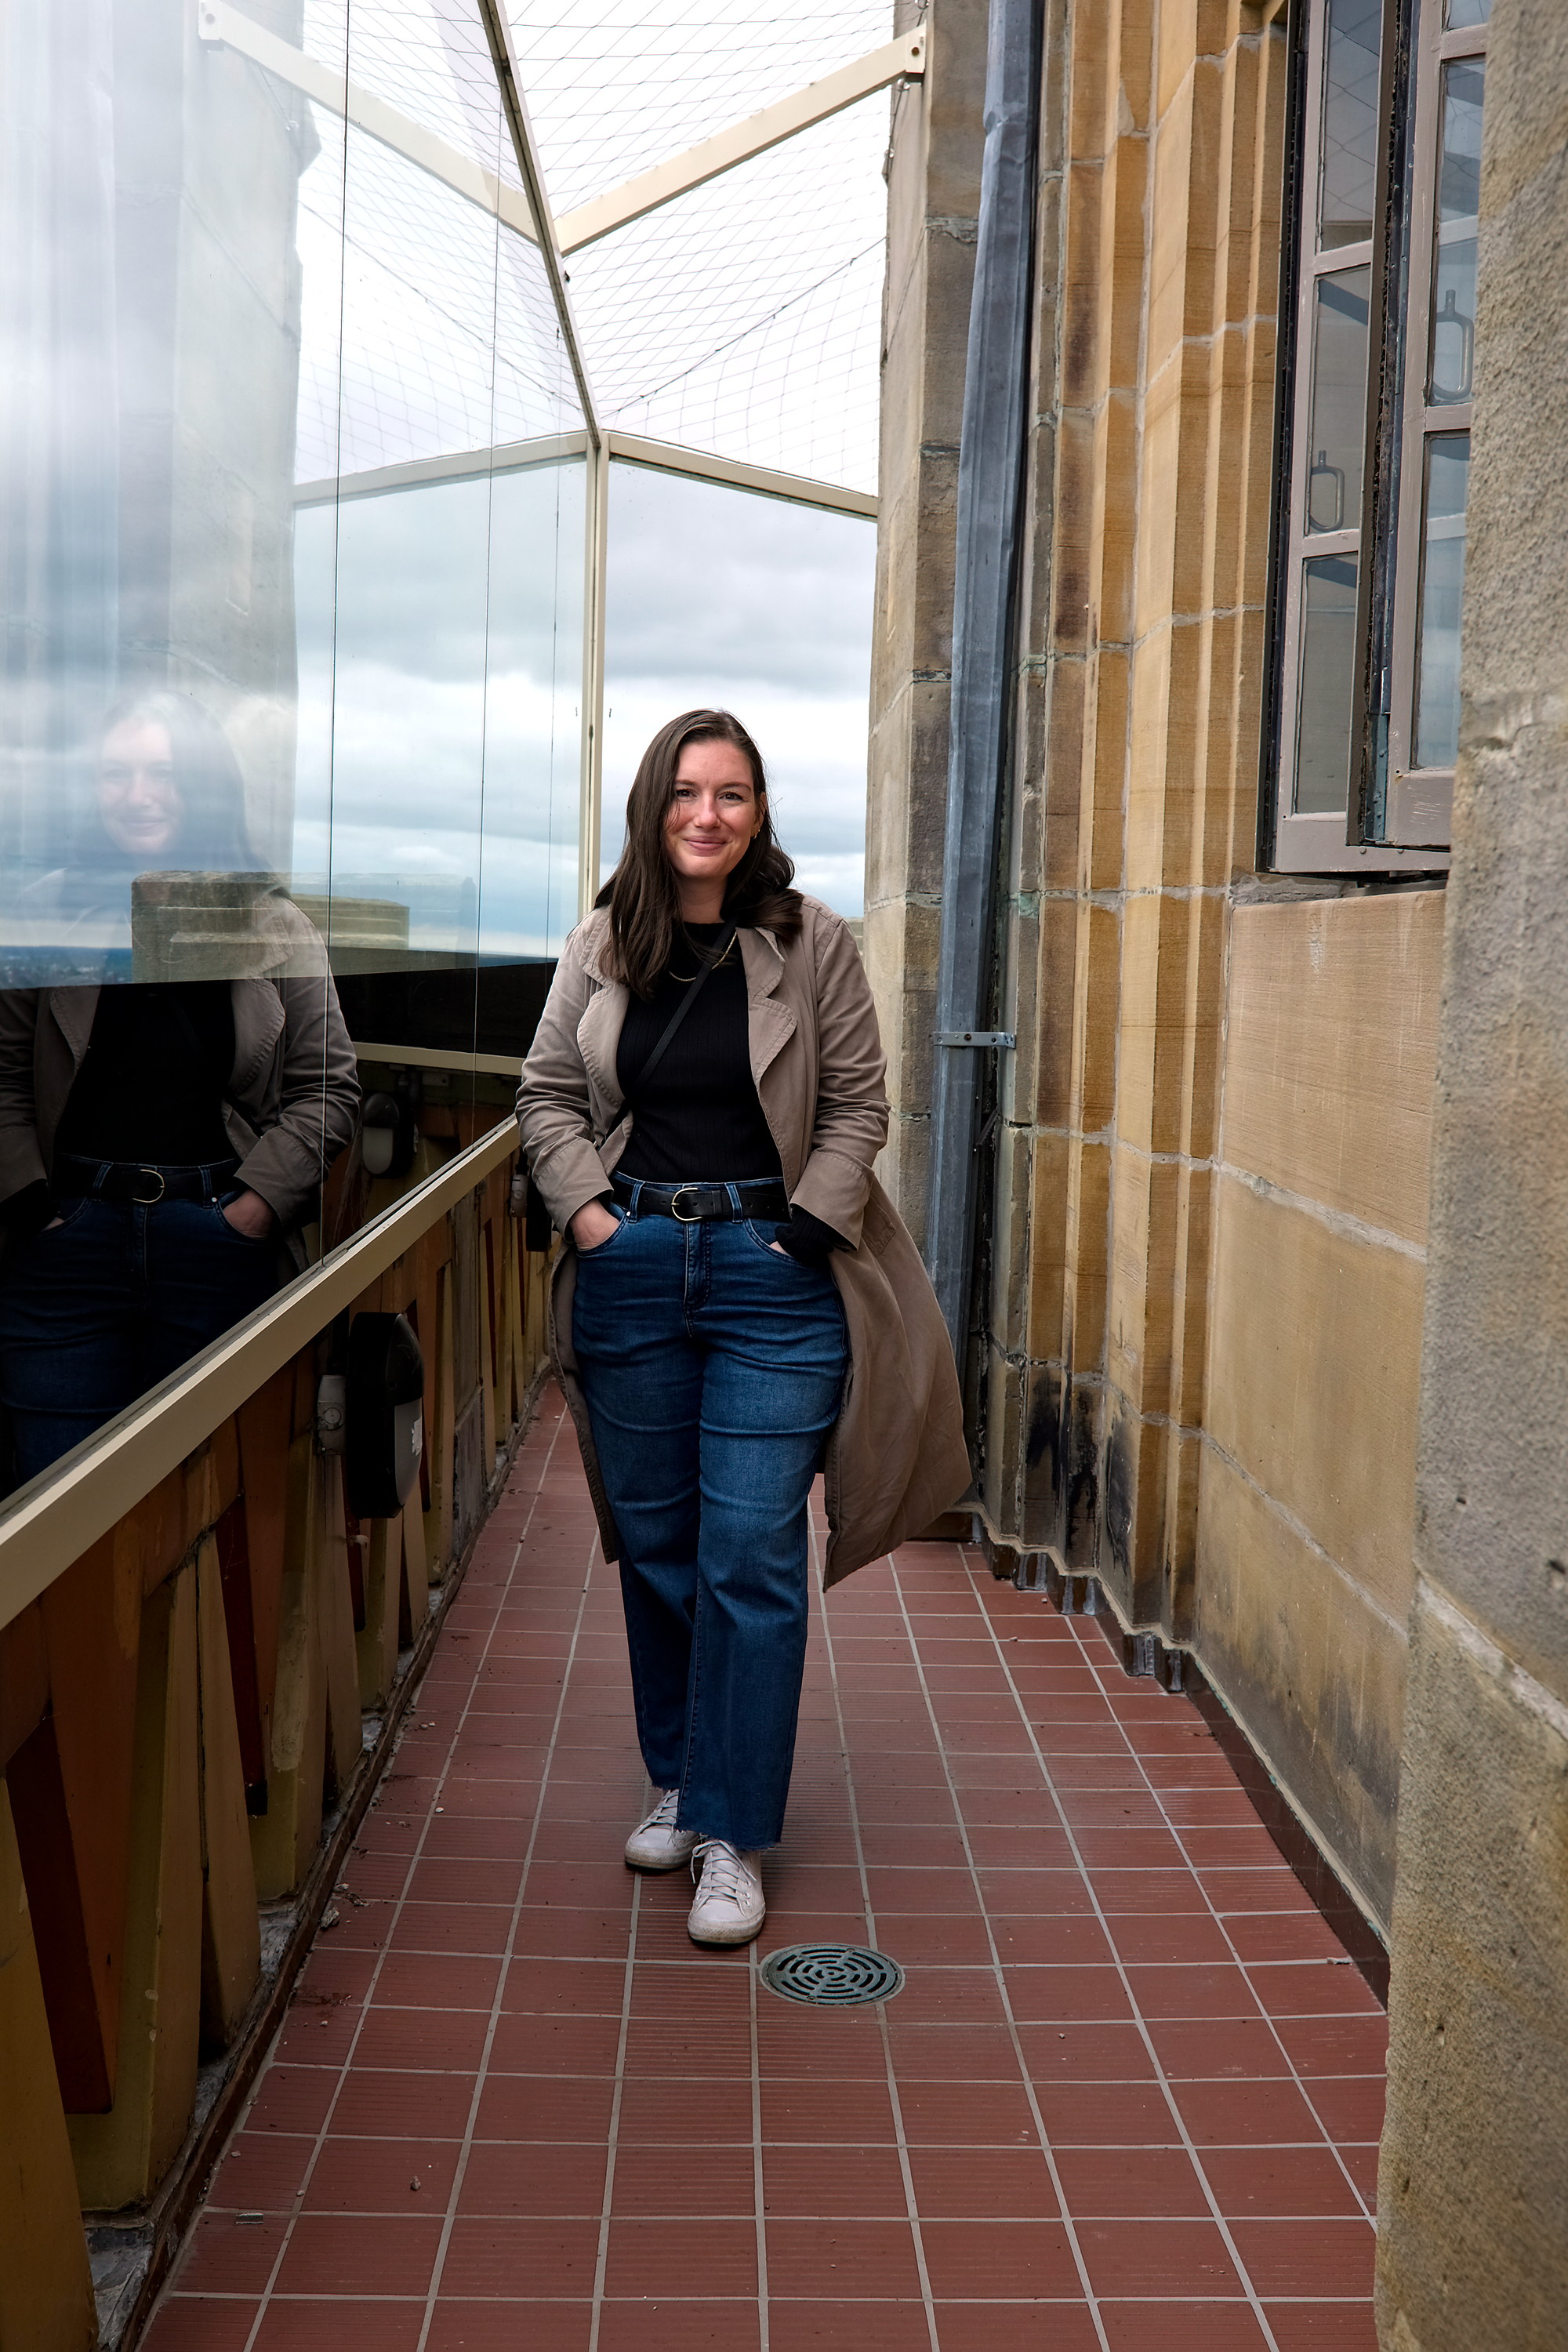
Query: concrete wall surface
[(1473, 2196)]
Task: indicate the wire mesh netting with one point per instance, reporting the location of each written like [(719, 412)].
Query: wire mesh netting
[(435, 333), (743, 319), (612, 91)]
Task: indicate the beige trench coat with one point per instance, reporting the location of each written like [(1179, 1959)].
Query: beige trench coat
[(897, 1457), (291, 1101)]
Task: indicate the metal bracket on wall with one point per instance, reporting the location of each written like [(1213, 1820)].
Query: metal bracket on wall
[(1004, 1038)]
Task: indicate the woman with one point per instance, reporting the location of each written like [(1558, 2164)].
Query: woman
[(161, 1145), (702, 1107)]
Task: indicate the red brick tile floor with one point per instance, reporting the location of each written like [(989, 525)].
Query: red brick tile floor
[(1128, 2097)]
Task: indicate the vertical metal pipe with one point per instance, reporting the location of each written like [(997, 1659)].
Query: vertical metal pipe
[(990, 490), (595, 594)]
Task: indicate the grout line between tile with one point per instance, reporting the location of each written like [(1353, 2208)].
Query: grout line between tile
[(1253, 2297), (601, 2251), (368, 1997), (1003, 1994), (461, 2170), (1219, 1918), (759, 2183), (906, 2170)]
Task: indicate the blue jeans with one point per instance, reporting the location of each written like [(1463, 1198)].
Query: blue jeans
[(98, 1309), (712, 1366)]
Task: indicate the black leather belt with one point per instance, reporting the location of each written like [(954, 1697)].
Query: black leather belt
[(145, 1186), (700, 1205)]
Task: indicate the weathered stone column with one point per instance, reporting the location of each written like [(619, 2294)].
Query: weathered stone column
[(1473, 2193), (933, 202)]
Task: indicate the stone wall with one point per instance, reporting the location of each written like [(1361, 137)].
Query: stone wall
[(934, 201), (1473, 2191), (1195, 1366), (1307, 1463)]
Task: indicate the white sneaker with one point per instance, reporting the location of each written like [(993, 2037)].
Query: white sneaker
[(729, 1908), (659, 1845)]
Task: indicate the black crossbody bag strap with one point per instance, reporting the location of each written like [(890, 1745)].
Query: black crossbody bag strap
[(679, 1014)]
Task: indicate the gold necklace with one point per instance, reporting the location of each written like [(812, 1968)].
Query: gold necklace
[(685, 979)]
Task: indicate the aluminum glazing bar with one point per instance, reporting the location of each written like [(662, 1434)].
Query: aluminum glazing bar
[(900, 60), (218, 23), (669, 458)]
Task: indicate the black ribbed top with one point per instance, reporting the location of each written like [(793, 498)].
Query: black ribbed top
[(152, 1086), (700, 1121)]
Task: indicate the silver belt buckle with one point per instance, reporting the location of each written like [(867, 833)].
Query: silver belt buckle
[(675, 1208)]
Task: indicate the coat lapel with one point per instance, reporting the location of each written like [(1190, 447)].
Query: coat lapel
[(598, 1041), (770, 1023), (73, 1010), (258, 1017)]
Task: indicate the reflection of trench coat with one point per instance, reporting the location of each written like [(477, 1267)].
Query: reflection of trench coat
[(897, 1458), (288, 1106)]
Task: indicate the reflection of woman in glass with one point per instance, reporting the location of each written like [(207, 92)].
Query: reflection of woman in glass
[(167, 795), (702, 1105), (159, 1145)]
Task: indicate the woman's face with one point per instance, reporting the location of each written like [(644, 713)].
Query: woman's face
[(138, 798), (715, 814)]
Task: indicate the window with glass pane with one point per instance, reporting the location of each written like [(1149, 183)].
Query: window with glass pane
[(1320, 544), (1429, 436), (1373, 543)]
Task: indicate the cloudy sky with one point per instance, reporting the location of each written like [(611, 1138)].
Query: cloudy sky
[(723, 599), (440, 672)]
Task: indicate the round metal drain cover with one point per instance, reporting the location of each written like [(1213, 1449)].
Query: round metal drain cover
[(833, 1975)]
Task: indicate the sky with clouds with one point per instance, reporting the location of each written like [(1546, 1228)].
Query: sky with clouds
[(440, 675)]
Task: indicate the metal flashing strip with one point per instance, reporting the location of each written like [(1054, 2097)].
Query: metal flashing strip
[(60, 1516), (900, 60), (223, 25)]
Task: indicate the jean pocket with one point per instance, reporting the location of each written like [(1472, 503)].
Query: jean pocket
[(764, 1237), (245, 1241), (622, 1222), (69, 1213)]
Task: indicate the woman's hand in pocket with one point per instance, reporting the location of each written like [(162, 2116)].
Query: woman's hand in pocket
[(249, 1214), (593, 1225)]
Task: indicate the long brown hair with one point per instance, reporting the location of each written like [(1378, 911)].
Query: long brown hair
[(641, 894)]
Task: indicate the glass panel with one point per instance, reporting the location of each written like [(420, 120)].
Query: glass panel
[(528, 840), (1442, 593), (1339, 399), (1458, 16), (720, 597), (1327, 685), (262, 719), (1347, 169), (1452, 359)]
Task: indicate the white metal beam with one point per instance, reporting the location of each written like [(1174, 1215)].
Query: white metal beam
[(899, 60), (555, 448), (502, 457), (669, 458), (219, 23)]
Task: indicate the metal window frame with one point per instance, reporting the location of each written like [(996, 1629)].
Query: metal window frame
[(1330, 844), (1418, 801), (1309, 843), (527, 211)]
